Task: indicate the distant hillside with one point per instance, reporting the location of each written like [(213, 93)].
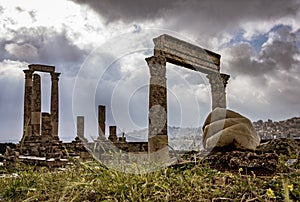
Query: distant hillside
[(269, 129)]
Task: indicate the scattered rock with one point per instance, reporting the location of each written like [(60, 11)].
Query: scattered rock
[(260, 164), (281, 146), (223, 128), (263, 161)]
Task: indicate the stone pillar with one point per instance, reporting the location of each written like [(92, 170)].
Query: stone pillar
[(113, 133), (101, 121), (218, 84), (54, 103), (47, 125), (157, 115), (36, 105), (27, 103), (80, 127)]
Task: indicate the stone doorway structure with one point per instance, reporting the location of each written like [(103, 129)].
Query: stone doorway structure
[(181, 53), (37, 123)]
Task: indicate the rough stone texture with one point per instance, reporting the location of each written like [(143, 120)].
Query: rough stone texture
[(223, 128), (281, 146), (80, 127), (170, 49), (101, 121), (218, 84), (39, 147), (185, 54), (157, 128), (260, 164), (41, 68), (27, 103), (113, 134), (46, 124), (263, 161), (36, 105), (32, 100), (54, 102)]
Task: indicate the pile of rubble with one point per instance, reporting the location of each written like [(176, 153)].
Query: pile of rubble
[(43, 151), (263, 161)]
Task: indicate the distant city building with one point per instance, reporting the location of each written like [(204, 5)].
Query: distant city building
[(269, 129)]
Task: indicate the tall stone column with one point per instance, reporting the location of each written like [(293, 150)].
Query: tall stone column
[(36, 105), (101, 121), (54, 103), (80, 127), (27, 103), (157, 115), (218, 84)]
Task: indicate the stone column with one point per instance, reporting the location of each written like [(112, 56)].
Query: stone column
[(157, 115), (54, 103), (80, 127), (46, 126), (27, 103), (101, 121), (36, 105), (218, 84), (113, 133)]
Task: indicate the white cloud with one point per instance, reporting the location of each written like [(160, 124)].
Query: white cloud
[(21, 51), (12, 69)]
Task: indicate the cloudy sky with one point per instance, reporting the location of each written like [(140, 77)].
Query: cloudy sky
[(99, 46)]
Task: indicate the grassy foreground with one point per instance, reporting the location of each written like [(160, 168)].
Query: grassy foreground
[(89, 181)]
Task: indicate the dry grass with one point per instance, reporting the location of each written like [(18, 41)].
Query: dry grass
[(89, 181)]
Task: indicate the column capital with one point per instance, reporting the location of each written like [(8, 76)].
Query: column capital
[(28, 73), (225, 78), (156, 60), (157, 66), (54, 76)]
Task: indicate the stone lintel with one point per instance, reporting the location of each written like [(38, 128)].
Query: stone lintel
[(41, 68), (187, 55)]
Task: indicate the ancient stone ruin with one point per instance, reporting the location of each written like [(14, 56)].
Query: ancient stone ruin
[(103, 145), (178, 52), (33, 118), (40, 143), (40, 136)]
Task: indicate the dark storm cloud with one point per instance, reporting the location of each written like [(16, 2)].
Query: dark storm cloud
[(221, 10), (42, 45), (209, 15), (130, 10)]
